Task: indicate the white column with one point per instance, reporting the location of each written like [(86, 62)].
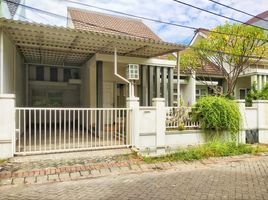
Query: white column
[(264, 80), (134, 131), (159, 103), (242, 133), (178, 80), (262, 119), (259, 82), (254, 79), (7, 125), (191, 90)]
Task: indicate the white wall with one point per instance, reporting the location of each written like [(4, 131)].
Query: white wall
[(13, 71)]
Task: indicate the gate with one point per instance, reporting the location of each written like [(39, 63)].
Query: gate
[(45, 130)]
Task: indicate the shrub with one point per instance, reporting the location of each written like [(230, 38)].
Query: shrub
[(255, 94), (217, 114)]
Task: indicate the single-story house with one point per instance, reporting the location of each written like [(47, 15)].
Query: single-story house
[(73, 66)]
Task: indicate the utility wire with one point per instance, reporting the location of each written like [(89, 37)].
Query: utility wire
[(235, 9), (118, 12), (219, 15), (57, 15), (155, 20)]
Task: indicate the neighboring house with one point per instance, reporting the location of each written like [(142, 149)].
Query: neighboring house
[(200, 83), (256, 73), (74, 66)]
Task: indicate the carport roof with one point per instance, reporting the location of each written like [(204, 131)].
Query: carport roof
[(48, 44)]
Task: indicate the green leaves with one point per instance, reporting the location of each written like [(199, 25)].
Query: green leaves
[(217, 114)]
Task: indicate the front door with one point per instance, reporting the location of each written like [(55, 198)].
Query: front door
[(108, 95)]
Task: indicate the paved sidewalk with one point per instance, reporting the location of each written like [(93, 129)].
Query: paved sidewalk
[(240, 177), (82, 168)]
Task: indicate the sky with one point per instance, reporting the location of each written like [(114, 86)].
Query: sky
[(164, 10)]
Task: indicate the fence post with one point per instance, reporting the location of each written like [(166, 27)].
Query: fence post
[(134, 105), (262, 119), (159, 104), (7, 125), (242, 132)]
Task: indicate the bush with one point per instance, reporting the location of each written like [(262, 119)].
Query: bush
[(217, 114), (255, 94)]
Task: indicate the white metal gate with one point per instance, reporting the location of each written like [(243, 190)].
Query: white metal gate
[(45, 130)]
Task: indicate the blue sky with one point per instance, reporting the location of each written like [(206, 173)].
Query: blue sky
[(165, 10)]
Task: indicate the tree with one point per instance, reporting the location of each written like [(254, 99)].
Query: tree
[(233, 52)]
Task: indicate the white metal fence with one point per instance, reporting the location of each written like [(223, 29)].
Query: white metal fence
[(43, 130), (179, 116)]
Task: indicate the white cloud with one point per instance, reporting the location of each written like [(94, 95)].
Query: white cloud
[(165, 10)]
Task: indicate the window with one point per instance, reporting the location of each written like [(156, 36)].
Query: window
[(200, 93), (53, 74), (243, 93), (70, 74), (39, 73)]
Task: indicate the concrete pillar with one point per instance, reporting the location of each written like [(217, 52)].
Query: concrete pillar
[(253, 79), (241, 138), (178, 80), (164, 84), (133, 103), (60, 74), (7, 125), (190, 95), (170, 86), (264, 80), (159, 104), (144, 86), (259, 82), (262, 119), (151, 84), (99, 91), (157, 82)]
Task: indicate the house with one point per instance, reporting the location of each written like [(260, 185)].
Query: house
[(74, 66), (200, 85), (70, 86)]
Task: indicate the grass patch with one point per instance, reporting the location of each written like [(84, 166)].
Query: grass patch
[(210, 149)]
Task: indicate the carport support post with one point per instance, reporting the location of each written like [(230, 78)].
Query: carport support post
[(160, 125), (7, 125), (133, 104)]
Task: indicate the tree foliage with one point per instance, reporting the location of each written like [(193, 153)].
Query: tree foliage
[(233, 53)]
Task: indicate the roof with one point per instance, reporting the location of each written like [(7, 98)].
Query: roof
[(257, 17), (48, 44), (105, 23), (208, 70), (12, 7)]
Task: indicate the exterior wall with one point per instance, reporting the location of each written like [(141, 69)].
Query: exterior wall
[(12, 79), (70, 92), (8, 66), (242, 83)]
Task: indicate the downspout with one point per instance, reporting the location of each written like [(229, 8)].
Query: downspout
[(131, 93)]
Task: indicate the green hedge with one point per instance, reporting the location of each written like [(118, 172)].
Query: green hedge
[(217, 114)]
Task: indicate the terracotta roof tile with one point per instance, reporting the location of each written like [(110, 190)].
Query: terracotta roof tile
[(257, 17), (208, 70), (101, 22)]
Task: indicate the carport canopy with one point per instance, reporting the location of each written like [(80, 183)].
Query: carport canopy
[(46, 44)]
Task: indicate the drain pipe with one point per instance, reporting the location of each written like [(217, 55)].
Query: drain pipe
[(131, 93)]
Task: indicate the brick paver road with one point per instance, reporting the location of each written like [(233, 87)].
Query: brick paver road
[(246, 179)]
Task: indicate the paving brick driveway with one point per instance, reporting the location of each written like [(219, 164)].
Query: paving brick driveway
[(246, 179)]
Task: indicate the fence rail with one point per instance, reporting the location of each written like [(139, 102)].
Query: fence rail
[(40, 130), (179, 116)]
